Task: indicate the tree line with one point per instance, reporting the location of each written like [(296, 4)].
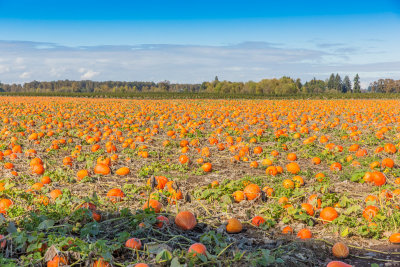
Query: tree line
[(385, 86), (88, 86), (282, 86)]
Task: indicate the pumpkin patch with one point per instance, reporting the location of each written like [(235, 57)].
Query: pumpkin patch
[(120, 182)]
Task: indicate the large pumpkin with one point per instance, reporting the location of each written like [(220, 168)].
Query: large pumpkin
[(102, 169), (185, 220)]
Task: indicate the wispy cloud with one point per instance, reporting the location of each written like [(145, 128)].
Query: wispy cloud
[(329, 45), (25, 61)]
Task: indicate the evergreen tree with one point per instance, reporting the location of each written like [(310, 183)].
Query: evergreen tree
[(331, 81), (346, 84), (357, 87), (338, 83), (298, 84)]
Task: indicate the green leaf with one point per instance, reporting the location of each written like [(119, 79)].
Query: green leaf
[(175, 262), (345, 232), (352, 209), (90, 229), (11, 228), (381, 217), (33, 247), (202, 257), (123, 236), (46, 224), (164, 255), (9, 185), (206, 193)]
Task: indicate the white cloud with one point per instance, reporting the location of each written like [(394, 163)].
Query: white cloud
[(89, 75), (182, 63), (25, 75), (19, 60), (4, 68)]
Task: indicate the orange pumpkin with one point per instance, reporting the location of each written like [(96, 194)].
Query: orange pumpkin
[(288, 184), (101, 263), (257, 221), (304, 234), (239, 196), (133, 243), (185, 220), (308, 208), (340, 250), (207, 167), (252, 191), (115, 195), (370, 212), (328, 214), (102, 169), (395, 238), (153, 204), (54, 194), (387, 163), (378, 178), (234, 226), (287, 230), (293, 168), (82, 174), (198, 248), (57, 261), (338, 264), (123, 171), (38, 169)]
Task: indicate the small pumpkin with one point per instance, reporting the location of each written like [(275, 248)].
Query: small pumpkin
[(161, 221), (207, 167), (338, 264), (198, 248), (238, 196), (234, 226), (257, 221), (340, 250), (101, 263), (153, 205), (54, 194), (370, 212), (395, 238), (304, 233), (115, 195), (123, 171), (133, 243), (57, 261), (287, 230), (293, 168), (82, 174)]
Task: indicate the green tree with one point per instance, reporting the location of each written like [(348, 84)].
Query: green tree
[(331, 82), (346, 84), (357, 87), (338, 83), (298, 84)]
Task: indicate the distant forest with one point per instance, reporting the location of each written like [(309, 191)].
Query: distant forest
[(282, 86)]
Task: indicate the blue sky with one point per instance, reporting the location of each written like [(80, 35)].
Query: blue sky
[(192, 41)]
